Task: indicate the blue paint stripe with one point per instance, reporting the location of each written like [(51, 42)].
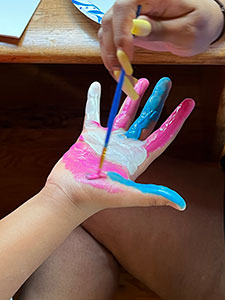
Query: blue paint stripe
[(158, 190), (84, 4), (96, 12), (152, 109)]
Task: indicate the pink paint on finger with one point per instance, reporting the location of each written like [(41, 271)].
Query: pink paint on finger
[(130, 106), (83, 162), (81, 138), (169, 129), (96, 124)]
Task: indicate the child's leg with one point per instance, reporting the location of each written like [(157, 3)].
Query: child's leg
[(79, 269), (178, 255)]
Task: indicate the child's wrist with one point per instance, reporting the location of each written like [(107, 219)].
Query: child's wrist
[(58, 199)]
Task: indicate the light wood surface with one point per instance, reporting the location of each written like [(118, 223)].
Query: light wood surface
[(59, 33)]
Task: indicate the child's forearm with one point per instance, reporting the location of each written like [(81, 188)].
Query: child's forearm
[(31, 233)]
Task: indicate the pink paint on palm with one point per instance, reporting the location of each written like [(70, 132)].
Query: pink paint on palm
[(169, 129), (93, 176), (97, 175), (130, 106), (82, 161)]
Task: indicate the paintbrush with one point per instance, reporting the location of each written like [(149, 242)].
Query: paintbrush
[(112, 115), (113, 111)]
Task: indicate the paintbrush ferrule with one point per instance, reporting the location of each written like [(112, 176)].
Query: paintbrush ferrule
[(102, 158)]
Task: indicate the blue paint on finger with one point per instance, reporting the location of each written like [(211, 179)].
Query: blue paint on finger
[(152, 109), (158, 190)]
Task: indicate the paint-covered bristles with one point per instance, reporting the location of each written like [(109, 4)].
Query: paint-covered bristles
[(102, 159)]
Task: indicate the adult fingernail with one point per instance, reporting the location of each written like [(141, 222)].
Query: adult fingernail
[(129, 89), (124, 62), (132, 79), (141, 27), (116, 74), (127, 86)]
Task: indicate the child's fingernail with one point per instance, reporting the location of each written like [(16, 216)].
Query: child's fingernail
[(124, 62), (127, 86), (141, 27)]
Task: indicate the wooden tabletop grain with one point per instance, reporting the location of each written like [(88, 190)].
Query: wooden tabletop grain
[(59, 33)]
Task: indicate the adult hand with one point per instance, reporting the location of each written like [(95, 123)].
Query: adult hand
[(182, 27), (132, 148)]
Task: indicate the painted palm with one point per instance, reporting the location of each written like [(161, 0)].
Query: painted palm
[(132, 147)]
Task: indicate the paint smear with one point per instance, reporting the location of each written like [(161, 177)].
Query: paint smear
[(158, 190), (130, 106), (152, 109), (121, 150), (82, 161), (124, 154), (169, 129)]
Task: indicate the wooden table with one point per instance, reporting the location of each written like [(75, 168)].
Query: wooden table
[(59, 33)]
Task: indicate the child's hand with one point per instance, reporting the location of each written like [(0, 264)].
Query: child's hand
[(132, 148)]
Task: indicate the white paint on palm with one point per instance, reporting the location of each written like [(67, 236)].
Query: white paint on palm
[(124, 151)]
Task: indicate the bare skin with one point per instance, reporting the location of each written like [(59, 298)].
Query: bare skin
[(178, 256), (182, 27), (81, 259), (42, 223)]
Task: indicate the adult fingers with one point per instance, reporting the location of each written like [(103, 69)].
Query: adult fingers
[(128, 85), (176, 25), (114, 58), (123, 14), (108, 49), (151, 111), (92, 109), (115, 32), (178, 35), (129, 108), (138, 194), (160, 139)]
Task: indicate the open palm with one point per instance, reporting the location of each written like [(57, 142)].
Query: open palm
[(132, 147)]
